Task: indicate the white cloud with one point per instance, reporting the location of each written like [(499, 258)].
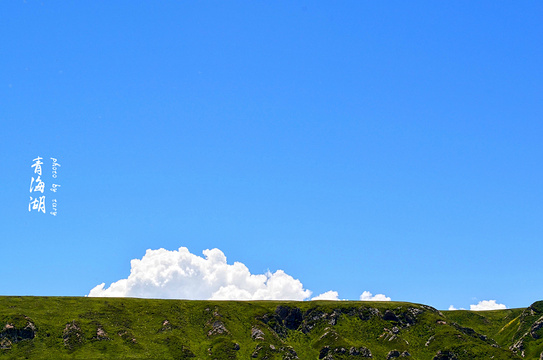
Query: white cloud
[(452, 308), (180, 274), (367, 296), (487, 305), (329, 295)]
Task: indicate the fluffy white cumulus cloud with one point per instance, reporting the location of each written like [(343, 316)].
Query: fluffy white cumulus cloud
[(179, 274), (487, 305), (367, 296), (329, 295)]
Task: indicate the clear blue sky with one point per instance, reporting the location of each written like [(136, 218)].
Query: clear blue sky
[(388, 146)]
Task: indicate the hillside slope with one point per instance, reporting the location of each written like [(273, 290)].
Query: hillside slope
[(127, 328)]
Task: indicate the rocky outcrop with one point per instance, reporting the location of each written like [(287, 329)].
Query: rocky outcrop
[(271, 351), (14, 334), (257, 334), (166, 326), (535, 329), (470, 332), (72, 335), (390, 316), (218, 328), (292, 318), (445, 355), (5, 344), (101, 334), (530, 327), (127, 336), (215, 324), (518, 347), (327, 353), (283, 319), (390, 335), (393, 354)]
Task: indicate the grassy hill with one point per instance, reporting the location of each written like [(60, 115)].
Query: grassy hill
[(126, 328)]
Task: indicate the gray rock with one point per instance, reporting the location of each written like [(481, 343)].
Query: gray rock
[(5, 344), (291, 317), (534, 330), (393, 354), (14, 334), (390, 316), (445, 355), (218, 329), (257, 334), (101, 334), (72, 335)]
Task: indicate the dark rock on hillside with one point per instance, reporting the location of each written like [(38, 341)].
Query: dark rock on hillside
[(361, 351), (327, 353), (470, 332), (410, 315), (393, 354), (275, 323), (365, 313), (283, 319), (257, 351), (518, 347), (218, 328), (390, 316), (530, 327), (311, 318), (324, 351), (287, 318), (127, 336), (14, 334), (288, 353), (445, 355), (72, 335), (268, 352), (535, 329), (291, 317), (5, 344)]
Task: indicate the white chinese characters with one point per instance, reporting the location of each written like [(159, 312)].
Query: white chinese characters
[(37, 184), (37, 203)]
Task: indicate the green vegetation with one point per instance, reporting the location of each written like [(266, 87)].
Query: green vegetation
[(127, 328)]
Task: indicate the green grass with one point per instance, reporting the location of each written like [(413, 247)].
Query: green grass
[(128, 328), (497, 324)]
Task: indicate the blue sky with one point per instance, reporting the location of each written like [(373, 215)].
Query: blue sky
[(391, 147)]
